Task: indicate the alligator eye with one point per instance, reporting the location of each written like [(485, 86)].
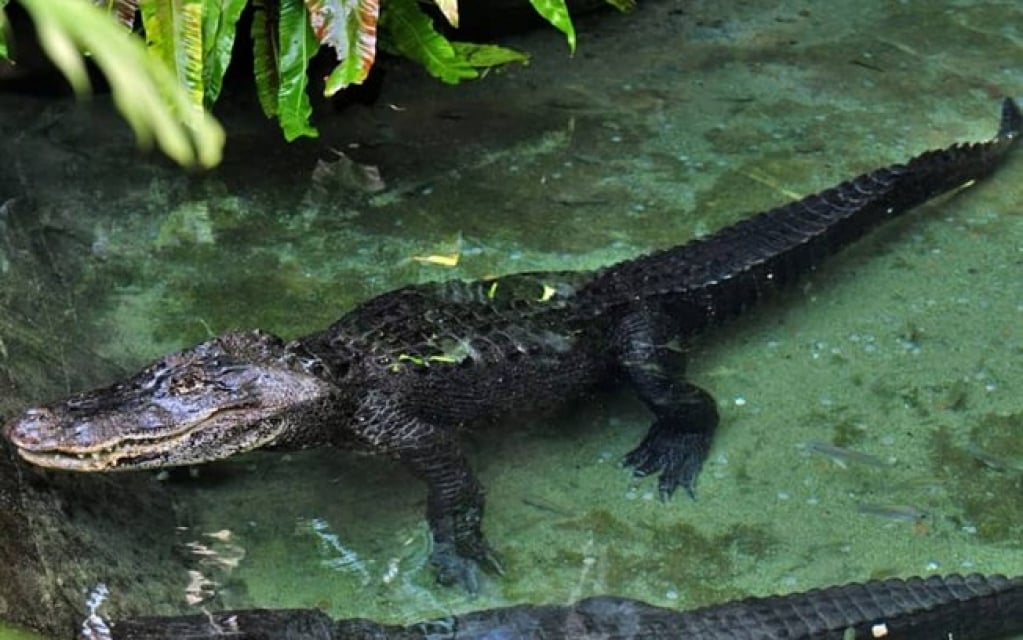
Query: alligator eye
[(187, 383)]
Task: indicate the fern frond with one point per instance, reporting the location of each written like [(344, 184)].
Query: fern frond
[(266, 54), (144, 89), (174, 33), (219, 22), (3, 31), (556, 12), (297, 46), (411, 32), (350, 27)]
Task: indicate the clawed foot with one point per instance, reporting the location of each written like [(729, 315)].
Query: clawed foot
[(461, 566), (678, 455)]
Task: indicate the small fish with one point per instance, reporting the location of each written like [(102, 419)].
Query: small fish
[(546, 505), (893, 511), (843, 457), (992, 461)]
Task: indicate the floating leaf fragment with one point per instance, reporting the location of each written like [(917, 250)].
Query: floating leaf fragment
[(445, 260)]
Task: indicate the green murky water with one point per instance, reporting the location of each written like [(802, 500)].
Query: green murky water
[(666, 125)]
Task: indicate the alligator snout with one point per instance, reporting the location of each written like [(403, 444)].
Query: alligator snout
[(30, 430)]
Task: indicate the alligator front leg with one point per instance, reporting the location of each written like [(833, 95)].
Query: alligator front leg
[(454, 505), (685, 415), (454, 510)]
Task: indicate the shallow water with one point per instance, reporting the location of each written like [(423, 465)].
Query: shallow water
[(667, 124)]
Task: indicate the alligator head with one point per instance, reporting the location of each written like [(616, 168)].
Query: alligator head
[(230, 394)]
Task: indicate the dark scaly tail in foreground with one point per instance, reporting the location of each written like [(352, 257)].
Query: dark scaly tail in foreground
[(717, 276), (973, 607)]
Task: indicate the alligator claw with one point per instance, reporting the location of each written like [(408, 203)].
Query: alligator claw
[(677, 455), (462, 567)]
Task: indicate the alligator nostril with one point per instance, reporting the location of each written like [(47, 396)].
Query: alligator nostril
[(22, 433), (26, 431)]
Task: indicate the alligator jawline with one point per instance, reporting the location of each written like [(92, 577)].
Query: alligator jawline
[(120, 455)]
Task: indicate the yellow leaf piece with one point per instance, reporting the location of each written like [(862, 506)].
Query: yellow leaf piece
[(450, 10), (623, 5), (547, 293), (492, 291), (449, 359), (445, 260)]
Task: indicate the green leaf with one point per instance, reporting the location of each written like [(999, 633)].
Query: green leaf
[(412, 34), (3, 31), (145, 91), (174, 33), (297, 45), (488, 55), (555, 12), (266, 54), (350, 27), (219, 19)]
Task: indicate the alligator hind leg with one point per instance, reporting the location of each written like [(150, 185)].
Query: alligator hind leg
[(685, 415)]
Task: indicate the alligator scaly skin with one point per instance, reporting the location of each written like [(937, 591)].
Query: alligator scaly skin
[(402, 373), (973, 607)]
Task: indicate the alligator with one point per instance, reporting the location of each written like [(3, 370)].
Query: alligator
[(401, 374), (973, 607)]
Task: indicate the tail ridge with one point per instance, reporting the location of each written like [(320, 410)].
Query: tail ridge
[(714, 278)]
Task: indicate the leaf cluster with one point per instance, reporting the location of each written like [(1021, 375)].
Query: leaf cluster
[(166, 86)]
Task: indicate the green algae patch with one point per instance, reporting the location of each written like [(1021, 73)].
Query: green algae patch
[(11, 632), (984, 475), (686, 560)]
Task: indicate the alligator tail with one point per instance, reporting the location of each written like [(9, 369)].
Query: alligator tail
[(972, 607), (714, 278)]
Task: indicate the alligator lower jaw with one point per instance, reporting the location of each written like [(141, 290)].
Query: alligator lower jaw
[(96, 461)]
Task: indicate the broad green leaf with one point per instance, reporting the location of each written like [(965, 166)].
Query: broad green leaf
[(350, 27), (297, 46), (412, 34), (125, 10), (488, 55), (174, 33), (266, 54), (623, 5), (555, 12), (61, 49), (3, 31), (219, 19), (145, 91), (450, 10)]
